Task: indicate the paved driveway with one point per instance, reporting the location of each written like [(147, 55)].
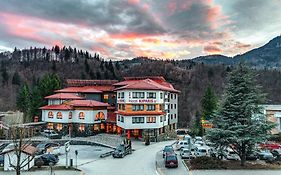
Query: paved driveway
[(141, 162)]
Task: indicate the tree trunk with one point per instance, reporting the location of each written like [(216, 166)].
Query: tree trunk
[(243, 154), (17, 170)]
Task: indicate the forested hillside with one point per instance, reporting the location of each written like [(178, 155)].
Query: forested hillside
[(191, 78)]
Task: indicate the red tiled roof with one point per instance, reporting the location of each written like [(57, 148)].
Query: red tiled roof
[(139, 113), (105, 88), (56, 107), (147, 84), (64, 96), (85, 89), (87, 103), (79, 83), (111, 117)]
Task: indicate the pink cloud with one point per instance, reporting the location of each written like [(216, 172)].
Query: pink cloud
[(211, 49)]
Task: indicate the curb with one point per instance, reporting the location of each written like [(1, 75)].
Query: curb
[(184, 164)]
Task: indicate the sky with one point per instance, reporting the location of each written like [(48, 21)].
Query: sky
[(124, 29)]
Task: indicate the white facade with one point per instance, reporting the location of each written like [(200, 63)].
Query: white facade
[(11, 157), (89, 116), (168, 100), (126, 122)]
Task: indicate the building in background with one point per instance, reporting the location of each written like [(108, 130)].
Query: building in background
[(136, 106), (273, 114)]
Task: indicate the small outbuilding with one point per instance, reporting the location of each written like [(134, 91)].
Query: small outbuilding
[(26, 158)]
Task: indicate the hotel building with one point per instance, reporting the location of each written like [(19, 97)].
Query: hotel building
[(133, 107)]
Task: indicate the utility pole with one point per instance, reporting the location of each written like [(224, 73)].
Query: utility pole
[(67, 149)]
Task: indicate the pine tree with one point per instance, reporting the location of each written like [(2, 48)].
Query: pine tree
[(239, 122), (24, 102), (208, 103)]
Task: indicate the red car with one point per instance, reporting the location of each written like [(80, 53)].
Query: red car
[(270, 145), (171, 161)]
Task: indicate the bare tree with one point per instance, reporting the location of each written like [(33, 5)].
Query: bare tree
[(21, 144)]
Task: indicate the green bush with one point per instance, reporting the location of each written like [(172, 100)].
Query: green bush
[(206, 163)]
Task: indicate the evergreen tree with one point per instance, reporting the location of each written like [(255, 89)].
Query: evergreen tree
[(24, 102), (87, 66), (239, 122), (16, 80), (57, 51), (197, 129), (208, 103), (5, 76)]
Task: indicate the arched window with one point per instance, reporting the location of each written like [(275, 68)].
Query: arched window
[(81, 115), (100, 116), (70, 115), (59, 115), (51, 114)]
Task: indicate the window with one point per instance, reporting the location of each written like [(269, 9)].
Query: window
[(161, 119), (150, 119), (161, 107), (100, 116), (70, 115), (105, 96), (171, 96), (59, 126), (118, 96), (138, 107), (137, 120), (96, 127), (118, 117), (81, 115), (122, 94), (171, 116), (164, 118), (175, 106), (171, 105), (138, 94), (50, 126), (151, 95), (121, 106), (50, 114), (122, 119), (161, 95), (175, 116), (59, 115), (150, 107), (81, 127)]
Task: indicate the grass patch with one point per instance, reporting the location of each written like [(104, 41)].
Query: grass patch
[(205, 163)]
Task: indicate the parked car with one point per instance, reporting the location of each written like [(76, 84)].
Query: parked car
[(270, 145), (251, 156), (276, 154), (199, 143), (47, 159), (231, 155), (198, 138), (186, 154), (171, 160), (182, 144), (265, 155), (51, 134), (168, 149), (3, 146), (50, 147), (1, 160), (121, 151), (200, 151)]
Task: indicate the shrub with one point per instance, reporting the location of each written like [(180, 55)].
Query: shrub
[(206, 163)]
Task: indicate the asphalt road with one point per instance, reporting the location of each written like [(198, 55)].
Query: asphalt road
[(235, 172), (181, 170), (140, 162)]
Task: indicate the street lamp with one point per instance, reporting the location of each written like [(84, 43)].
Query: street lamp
[(51, 164)]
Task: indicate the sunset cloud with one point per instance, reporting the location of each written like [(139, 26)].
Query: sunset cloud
[(172, 29)]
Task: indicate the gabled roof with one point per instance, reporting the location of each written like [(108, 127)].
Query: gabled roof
[(56, 107), (87, 103), (69, 96), (146, 84), (85, 89), (80, 83), (27, 149)]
